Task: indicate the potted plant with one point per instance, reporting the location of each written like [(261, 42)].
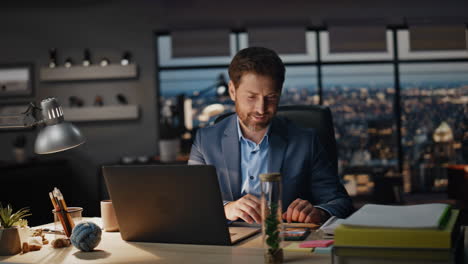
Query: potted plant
[(23, 230), (10, 243), (274, 253)]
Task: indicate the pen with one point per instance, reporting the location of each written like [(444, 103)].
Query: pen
[(62, 211), (58, 211), (309, 225), (65, 208)]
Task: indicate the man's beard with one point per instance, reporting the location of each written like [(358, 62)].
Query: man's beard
[(253, 126)]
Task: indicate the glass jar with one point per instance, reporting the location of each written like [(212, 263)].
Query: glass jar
[(75, 214), (272, 224)]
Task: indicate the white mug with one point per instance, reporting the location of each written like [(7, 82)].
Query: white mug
[(109, 220), (168, 149)]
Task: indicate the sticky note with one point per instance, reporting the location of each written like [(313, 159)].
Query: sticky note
[(294, 247), (324, 250), (316, 243)]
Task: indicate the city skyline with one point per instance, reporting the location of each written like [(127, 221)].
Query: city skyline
[(362, 104)]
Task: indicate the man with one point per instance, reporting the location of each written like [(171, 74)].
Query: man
[(254, 141)]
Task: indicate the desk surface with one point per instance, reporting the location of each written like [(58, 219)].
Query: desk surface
[(113, 249)]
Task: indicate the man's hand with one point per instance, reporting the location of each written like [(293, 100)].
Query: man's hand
[(247, 208), (304, 212)]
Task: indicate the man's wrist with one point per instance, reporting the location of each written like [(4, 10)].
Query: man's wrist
[(324, 215)]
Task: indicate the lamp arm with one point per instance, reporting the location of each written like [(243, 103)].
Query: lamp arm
[(29, 112), (33, 124), (14, 126)]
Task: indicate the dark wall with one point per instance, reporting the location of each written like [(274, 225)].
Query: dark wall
[(27, 35), (108, 28)]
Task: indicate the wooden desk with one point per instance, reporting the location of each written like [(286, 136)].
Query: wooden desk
[(113, 249)]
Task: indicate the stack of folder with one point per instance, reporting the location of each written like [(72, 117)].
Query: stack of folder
[(398, 234)]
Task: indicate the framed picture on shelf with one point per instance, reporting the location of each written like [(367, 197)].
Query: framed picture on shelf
[(16, 80), (11, 114)]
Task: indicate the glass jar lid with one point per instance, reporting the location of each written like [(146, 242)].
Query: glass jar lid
[(270, 177)]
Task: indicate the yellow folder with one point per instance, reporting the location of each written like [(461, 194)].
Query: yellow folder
[(397, 237)]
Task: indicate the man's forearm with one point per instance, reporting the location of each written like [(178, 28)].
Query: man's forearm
[(341, 207)]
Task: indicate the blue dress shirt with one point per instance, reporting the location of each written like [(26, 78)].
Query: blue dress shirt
[(254, 161)]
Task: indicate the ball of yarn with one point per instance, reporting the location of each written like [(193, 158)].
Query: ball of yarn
[(86, 236)]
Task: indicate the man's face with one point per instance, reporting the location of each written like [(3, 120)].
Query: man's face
[(256, 100)]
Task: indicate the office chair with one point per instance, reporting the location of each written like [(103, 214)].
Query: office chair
[(309, 116)]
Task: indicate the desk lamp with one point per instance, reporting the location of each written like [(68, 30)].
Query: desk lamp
[(57, 135)]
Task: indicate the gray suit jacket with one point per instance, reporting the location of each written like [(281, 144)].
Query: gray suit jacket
[(295, 152)]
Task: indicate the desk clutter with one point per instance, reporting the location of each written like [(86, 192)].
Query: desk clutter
[(373, 234), (16, 237), (85, 236), (406, 234)]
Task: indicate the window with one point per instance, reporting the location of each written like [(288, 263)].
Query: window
[(300, 86), (360, 89), (361, 98), (434, 114), (194, 91)]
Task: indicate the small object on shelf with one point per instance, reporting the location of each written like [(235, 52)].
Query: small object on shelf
[(75, 101), (68, 62), (86, 236), (52, 58), (87, 58), (104, 62), (142, 159), (98, 101), (127, 160), (91, 72), (122, 99), (100, 113), (126, 58)]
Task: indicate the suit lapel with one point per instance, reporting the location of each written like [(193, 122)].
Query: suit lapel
[(277, 149), (231, 153)]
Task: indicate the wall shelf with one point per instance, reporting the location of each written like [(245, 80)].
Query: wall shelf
[(101, 113), (93, 72)]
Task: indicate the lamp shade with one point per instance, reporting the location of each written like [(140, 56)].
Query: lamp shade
[(57, 135)]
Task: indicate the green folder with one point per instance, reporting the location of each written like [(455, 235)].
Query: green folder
[(397, 237), (396, 253)]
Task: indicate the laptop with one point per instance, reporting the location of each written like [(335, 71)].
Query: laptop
[(171, 204)]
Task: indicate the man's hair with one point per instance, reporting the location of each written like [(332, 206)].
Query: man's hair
[(258, 60)]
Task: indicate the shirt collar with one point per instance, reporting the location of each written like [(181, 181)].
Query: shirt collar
[(241, 136)]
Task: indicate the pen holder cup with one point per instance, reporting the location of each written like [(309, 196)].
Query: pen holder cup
[(73, 213)]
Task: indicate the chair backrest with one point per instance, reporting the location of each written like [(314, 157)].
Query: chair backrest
[(310, 116)]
